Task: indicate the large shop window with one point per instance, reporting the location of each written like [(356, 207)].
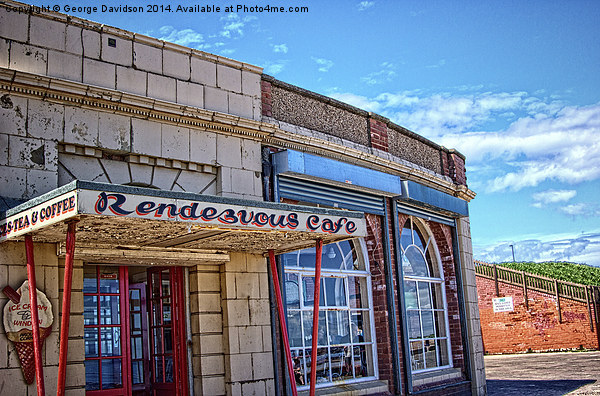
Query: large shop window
[(425, 299), (346, 348)]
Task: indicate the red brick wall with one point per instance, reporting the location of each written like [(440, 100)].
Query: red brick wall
[(536, 328), (266, 99), (456, 167), (379, 134)]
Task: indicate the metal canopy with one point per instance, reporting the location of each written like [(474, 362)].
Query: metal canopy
[(129, 218)]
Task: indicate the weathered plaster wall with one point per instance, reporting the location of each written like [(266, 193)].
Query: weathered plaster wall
[(78, 50), (49, 275)]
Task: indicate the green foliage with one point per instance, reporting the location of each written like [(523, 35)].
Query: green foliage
[(570, 272)]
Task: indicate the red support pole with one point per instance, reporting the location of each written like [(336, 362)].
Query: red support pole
[(66, 309), (284, 333), (35, 321), (315, 334)]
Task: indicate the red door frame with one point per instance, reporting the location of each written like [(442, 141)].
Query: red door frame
[(141, 389), (178, 332), (125, 345)]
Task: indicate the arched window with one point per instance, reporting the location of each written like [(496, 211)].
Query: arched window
[(425, 299), (346, 343)]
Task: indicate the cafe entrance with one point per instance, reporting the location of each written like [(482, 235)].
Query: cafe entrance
[(134, 330)]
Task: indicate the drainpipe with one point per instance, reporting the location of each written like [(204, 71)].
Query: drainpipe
[(461, 303), (389, 290), (33, 306), (188, 331), (400, 282)]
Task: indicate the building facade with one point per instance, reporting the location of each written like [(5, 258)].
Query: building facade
[(143, 185)]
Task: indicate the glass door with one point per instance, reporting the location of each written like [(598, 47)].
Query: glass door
[(140, 364), (168, 354), (106, 330)]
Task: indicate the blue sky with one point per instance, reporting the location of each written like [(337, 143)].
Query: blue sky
[(513, 85)]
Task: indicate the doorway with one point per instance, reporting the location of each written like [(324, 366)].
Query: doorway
[(134, 331)]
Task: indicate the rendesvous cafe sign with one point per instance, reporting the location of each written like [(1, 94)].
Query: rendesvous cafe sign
[(211, 214)]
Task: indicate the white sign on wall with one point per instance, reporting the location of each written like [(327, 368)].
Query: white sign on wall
[(503, 304)]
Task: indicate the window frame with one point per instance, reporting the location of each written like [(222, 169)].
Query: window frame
[(309, 272), (431, 253)]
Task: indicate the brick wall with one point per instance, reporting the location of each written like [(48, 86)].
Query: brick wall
[(537, 328), (379, 134)]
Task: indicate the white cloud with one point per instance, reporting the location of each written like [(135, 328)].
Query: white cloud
[(583, 248), (361, 102), (363, 5), (274, 68), (185, 37), (234, 25), (553, 196), (280, 48), (324, 64), (227, 52), (545, 140), (386, 74)]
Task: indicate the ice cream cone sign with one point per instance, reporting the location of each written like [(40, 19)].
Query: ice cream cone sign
[(18, 328)]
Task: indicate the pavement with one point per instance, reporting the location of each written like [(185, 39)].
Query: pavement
[(543, 374)]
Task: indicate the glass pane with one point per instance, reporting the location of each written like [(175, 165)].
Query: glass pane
[(294, 328), (298, 359), (424, 296), (360, 361), (308, 291), (406, 238), (440, 324), (135, 300), (168, 369), (90, 280), (350, 257), (339, 327), (355, 286), (137, 372), (335, 292), (410, 295), (111, 373), (110, 310), (157, 340), (322, 365), (168, 340), (292, 291), (361, 326), (418, 239), (166, 313), (156, 313), (332, 257), (416, 355), (413, 262), (155, 280), (92, 375), (427, 321), (306, 258), (166, 285), (136, 322), (110, 341), (443, 350), (307, 317), (339, 362), (136, 348), (430, 354), (90, 339), (158, 369), (290, 259), (414, 324), (90, 310), (437, 299), (109, 280)]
